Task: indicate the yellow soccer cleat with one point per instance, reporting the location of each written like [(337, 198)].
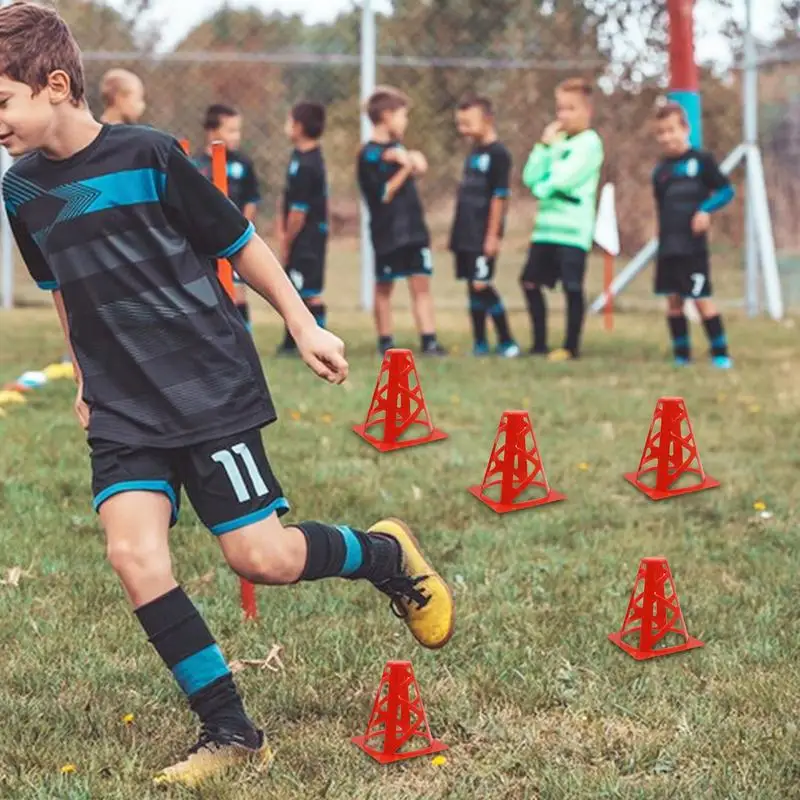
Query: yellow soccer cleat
[(216, 752), (419, 594), (559, 356)]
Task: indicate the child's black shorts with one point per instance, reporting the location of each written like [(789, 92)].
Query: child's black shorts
[(308, 275), (474, 267), (548, 264), (687, 276), (228, 481), (403, 263)]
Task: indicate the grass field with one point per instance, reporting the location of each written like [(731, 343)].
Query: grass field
[(531, 697)]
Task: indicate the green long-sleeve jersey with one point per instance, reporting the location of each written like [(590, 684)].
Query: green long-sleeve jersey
[(564, 178)]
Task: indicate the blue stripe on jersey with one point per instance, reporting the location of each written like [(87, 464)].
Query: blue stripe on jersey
[(239, 244), (718, 200), (354, 555), (300, 207), (48, 286), (129, 188), (502, 192), (200, 669)]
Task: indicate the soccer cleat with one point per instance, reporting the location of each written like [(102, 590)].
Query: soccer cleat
[(559, 356), (508, 350), (419, 595), (480, 349), (217, 750), (722, 362), (682, 361), (434, 349)]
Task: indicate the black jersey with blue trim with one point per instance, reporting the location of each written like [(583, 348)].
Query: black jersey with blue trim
[(400, 223), (243, 185), (487, 173), (683, 186), (127, 230), (307, 191)]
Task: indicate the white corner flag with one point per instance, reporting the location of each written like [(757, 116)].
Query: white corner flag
[(606, 231)]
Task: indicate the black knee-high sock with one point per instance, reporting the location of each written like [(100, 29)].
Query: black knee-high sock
[(679, 332), (477, 310), (339, 551), (715, 331), (538, 313), (320, 313), (182, 639), (576, 309), (497, 311)]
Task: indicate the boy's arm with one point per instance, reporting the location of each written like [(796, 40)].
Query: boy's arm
[(722, 191), (499, 180), (567, 174), (401, 157), (537, 166), (375, 188)]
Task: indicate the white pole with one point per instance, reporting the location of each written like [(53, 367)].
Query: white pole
[(6, 247), (368, 59), (750, 120)]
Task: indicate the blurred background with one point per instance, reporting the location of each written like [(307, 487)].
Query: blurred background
[(264, 55)]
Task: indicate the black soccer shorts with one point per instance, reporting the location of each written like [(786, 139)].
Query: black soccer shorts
[(474, 267), (403, 263), (229, 481), (307, 273), (686, 276), (547, 264)]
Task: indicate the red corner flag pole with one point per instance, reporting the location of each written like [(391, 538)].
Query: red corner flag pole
[(219, 176)]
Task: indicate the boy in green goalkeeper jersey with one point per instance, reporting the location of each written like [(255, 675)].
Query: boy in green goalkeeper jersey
[(563, 173)]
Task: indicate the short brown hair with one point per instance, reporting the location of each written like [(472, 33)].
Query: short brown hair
[(35, 42), (576, 86), (477, 101), (384, 100), (671, 109), (115, 82)]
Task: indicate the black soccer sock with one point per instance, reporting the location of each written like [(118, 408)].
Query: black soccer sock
[(319, 312), (538, 313), (497, 311), (477, 310), (716, 335), (679, 331), (182, 639), (385, 343), (427, 341), (339, 551), (576, 309)]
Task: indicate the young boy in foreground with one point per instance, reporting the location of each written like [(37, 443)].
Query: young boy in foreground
[(387, 177), (688, 187), (119, 225), (479, 221), (305, 212), (563, 173), (123, 97), (223, 123)]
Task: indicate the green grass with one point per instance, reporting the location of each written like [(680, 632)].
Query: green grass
[(531, 697)]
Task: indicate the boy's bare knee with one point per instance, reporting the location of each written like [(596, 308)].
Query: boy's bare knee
[(136, 559), (274, 558)]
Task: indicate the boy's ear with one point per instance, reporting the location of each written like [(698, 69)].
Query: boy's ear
[(59, 86)]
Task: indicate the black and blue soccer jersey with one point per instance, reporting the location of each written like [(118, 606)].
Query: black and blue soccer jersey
[(243, 187), (399, 223), (683, 186), (128, 230), (487, 172), (307, 191)]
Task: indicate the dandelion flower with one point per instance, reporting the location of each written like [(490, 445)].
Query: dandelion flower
[(68, 769), (439, 761)]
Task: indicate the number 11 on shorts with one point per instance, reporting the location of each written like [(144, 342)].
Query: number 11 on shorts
[(228, 461)]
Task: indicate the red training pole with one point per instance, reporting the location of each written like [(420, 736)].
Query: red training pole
[(219, 177)]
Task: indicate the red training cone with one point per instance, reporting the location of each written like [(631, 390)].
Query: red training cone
[(653, 613), (516, 466), (397, 718), (670, 453), (397, 405)]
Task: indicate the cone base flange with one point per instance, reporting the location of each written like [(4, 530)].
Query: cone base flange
[(386, 447), (505, 508), (388, 758), (658, 494), (690, 644)]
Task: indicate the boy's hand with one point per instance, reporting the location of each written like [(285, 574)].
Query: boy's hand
[(491, 245), (323, 353), (701, 222), (81, 409), (418, 162), (551, 133), (398, 155)]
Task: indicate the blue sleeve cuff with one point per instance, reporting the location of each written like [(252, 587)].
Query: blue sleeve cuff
[(718, 200), (502, 192), (48, 286), (300, 207), (240, 243)]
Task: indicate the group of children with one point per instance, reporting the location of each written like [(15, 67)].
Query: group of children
[(123, 229), (562, 173)]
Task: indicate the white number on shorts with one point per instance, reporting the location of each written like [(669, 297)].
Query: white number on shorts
[(297, 279), (427, 259), (698, 282), (226, 458), (481, 268)]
